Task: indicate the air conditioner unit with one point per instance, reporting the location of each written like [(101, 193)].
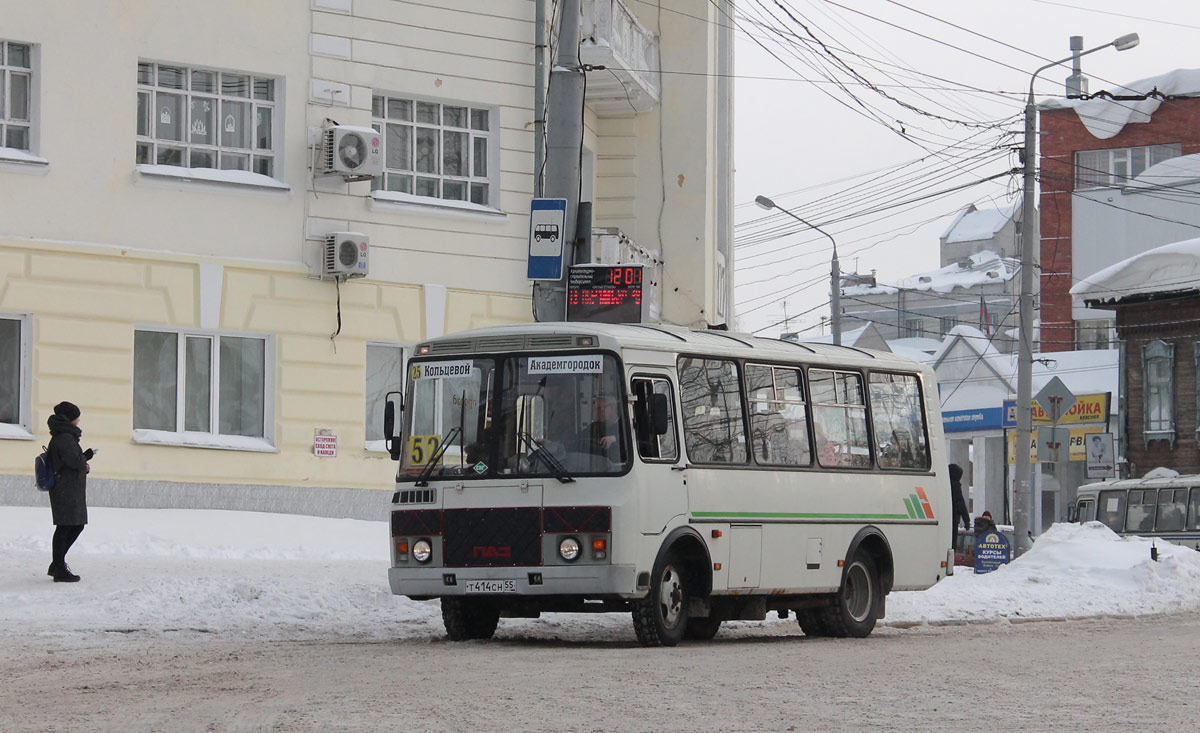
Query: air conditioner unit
[(345, 255), (354, 153)]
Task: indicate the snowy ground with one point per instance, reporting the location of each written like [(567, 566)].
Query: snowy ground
[(267, 576)]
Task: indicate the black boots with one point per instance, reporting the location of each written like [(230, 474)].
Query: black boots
[(61, 573)]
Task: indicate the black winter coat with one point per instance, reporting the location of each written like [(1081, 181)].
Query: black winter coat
[(957, 498), (68, 498)]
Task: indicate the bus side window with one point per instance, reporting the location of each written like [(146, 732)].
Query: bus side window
[(1139, 516), (1193, 521), (651, 395), (711, 399), (1111, 509)]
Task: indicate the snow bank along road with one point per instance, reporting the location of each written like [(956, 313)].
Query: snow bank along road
[(186, 619)]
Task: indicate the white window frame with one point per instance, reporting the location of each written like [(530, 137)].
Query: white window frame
[(23, 428), (150, 142), (1163, 393), (1117, 166), (26, 154), (379, 446), (197, 439), (381, 186)]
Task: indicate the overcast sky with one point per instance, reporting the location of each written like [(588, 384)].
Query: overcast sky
[(825, 125)]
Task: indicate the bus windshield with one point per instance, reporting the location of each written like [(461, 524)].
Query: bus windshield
[(554, 416)]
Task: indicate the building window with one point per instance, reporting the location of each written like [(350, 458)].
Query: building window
[(436, 150), (1117, 166), (16, 95), (1093, 335), (14, 375), (201, 383), (203, 118), (945, 325), (385, 373), (913, 328), (1158, 370)]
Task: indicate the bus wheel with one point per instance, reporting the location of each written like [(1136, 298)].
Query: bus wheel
[(469, 618), (853, 611), (660, 619), (702, 628), (812, 621)]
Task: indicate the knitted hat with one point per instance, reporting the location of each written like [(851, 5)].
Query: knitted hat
[(67, 410), (988, 515)]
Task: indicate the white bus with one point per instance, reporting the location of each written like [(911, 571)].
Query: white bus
[(1166, 508), (687, 477)]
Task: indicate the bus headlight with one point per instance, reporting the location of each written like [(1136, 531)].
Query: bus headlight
[(422, 551), (568, 549)]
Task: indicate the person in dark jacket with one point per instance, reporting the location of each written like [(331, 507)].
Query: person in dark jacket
[(960, 504), (68, 499)]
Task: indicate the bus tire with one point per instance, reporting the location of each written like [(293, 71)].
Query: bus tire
[(702, 628), (853, 611), (812, 621), (661, 618), (469, 618)]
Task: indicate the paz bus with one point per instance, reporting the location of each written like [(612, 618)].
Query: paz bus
[(685, 477), (1163, 508)]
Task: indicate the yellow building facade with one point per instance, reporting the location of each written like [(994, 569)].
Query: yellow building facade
[(165, 218)]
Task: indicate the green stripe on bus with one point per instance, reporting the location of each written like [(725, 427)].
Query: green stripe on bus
[(916, 502), (908, 505), (799, 515)]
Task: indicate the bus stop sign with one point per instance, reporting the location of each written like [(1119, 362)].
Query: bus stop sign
[(547, 219)]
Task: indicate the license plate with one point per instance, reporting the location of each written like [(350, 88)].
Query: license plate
[(491, 586)]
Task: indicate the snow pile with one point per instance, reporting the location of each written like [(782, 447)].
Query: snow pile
[(271, 576), (1072, 571), (1105, 118), (1170, 268)]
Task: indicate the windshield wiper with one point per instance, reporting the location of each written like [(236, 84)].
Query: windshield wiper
[(427, 471), (540, 453)]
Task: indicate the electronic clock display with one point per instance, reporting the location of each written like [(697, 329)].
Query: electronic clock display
[(605, 293)]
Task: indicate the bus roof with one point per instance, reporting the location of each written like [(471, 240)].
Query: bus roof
[(1166, 482), (655, 337)]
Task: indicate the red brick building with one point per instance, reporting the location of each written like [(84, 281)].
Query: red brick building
[(1073, 159)]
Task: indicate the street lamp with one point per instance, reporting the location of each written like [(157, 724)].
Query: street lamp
[(835, 274), (1023, 503)]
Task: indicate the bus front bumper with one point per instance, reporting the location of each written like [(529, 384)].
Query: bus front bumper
[(578, 580)]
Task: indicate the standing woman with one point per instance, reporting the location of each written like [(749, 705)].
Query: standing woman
[(68, 499)]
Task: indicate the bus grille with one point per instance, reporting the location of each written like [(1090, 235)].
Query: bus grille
[(492, 537)]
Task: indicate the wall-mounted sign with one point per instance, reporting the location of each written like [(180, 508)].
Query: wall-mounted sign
[(324, 444), (1075, 447), (1088, 408), (959, 421), (606, 293)]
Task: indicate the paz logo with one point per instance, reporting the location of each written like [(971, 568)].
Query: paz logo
[(918, 505)]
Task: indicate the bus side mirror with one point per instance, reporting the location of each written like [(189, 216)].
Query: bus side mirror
[(660, 414), (389, 424)]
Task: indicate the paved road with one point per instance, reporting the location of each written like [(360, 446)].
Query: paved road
[(1095, 675)]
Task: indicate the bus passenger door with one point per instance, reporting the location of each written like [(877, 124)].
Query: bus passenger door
[(656, 472)]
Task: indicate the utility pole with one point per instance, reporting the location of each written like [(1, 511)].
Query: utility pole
[(1023, 473), (564, 142)]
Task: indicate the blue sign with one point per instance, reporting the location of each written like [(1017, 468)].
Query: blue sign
[(1010, 413), (991, 551), (547, 220), (959, 421)]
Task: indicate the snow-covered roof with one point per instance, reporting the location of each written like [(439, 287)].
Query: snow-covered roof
[(986, 267), (1172, 268), (1105, 118), (1173, 172), (974, 224)]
